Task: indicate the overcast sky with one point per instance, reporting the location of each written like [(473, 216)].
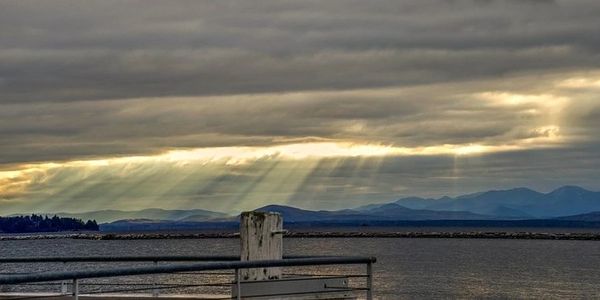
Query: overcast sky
[(230, 105)]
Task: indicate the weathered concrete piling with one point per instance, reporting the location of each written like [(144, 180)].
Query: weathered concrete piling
[(261, 236)]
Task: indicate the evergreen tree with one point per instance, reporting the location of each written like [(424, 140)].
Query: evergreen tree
[(38, 223)]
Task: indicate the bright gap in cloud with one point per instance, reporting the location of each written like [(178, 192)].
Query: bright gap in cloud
[(13, 181), (300, 151), (304, 151)]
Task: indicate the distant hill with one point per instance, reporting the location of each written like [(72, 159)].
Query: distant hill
[(383, 212), (589, 217), (105, 216), (417, 202), (154, 225), (506, 203), (205, 218), (520, 203), (293, 214), (399, 212)]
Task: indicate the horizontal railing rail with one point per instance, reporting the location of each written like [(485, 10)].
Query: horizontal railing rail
[(202, 265), (51, 259), (159, 269)]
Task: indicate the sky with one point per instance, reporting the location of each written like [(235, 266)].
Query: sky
[(231, 105)]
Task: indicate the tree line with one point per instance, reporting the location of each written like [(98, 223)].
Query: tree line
[(38, 223)]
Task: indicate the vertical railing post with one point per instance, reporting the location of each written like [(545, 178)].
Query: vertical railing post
[(154, 288), (369, 281), (238, 283), (261, 237), (63, 284), (75, 289)]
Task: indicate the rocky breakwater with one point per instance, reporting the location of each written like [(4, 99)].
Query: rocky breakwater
[(120, 236), (450, 235), (320, 234)]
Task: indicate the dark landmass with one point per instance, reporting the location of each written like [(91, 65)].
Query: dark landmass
[(589, 217), (298, 218), (154, 225), (125, 226), (38, 223)]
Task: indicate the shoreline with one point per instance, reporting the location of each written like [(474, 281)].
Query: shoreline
[(220, 235)]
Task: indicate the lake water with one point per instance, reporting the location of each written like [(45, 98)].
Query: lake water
[(406, 268)]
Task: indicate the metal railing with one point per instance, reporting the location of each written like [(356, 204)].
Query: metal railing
[(207, 264), (166, 258)]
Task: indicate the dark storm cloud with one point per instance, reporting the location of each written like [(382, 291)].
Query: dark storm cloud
[(69, 51), (408, 117)]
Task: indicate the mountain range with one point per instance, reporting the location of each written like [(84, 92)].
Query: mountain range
[(568, 203), (521, 203), (385, 212)]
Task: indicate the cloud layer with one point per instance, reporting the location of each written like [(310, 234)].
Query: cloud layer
[(510, 87), (71, 51)]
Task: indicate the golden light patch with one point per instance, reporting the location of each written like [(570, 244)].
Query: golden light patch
[(550, 131), (543, 101), (13, 183), (580, 82)]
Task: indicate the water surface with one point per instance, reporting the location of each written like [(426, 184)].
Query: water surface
[(406, 268)]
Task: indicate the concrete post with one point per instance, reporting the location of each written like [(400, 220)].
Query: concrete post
[(261, 235)]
